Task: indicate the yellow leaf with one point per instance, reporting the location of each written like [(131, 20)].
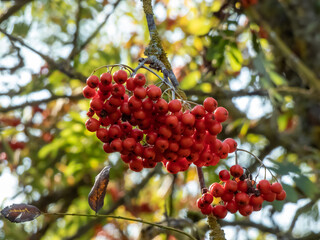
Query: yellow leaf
[(199, 26)]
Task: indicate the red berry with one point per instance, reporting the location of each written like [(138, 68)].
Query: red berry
[(242, 186), (246, 210), (270, 197), (220, 211), (264, 186), (227, 196), (230, 186), (118, 90), (114, 131), (154, 92), (139, 79), (92, 124), (149, 153), (255, 200), (198, 111), (96, 104), (173, 167), (116, 145), (172, 121), (276, 188), (89, 92), (232, 206), (221, 114), (207, 209), (136, 164), (210, 104), (134, 103), (120, 76), (232, 144), (140, 92), (106, 78), (200, 203), (224, 175), (161, 106), (188, 119), (207, 198), (102, 135), (175, 105), (129, 144), (236, 171), (281, 196), (186, 142), (93, 81), (130, 85), (161, 144), (216, 189), (242, 199)]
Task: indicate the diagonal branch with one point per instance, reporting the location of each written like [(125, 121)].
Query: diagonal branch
[(13, 9)]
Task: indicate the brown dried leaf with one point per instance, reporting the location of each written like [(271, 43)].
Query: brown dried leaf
[(98, 191), (18, 213)]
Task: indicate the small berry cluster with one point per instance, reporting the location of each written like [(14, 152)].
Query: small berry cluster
[(238, 194), (136, 121)]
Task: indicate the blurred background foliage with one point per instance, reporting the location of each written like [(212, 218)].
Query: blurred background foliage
[(259, 59)]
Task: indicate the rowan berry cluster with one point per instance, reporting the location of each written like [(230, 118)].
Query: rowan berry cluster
[(238, 194), (134, 119)]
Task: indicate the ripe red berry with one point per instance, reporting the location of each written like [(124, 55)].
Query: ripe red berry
[(140, 92), (106, 78), (175, 105), (224, 175), (102, 135), (232, 144), (221, 114), (172, 121), (134, 103), (281, 196), (230, 186), (130, 85), (227, 196), (118, 90), (210, 104), (114, 131), (96, 104), (200, 203), (242, 199), (198, 111), (139, 79), (129, 144), (236, 171), (220, 211), (216, 189), (173, 167), (232, 206), (154, 92), (161, 106), (207, 209), (264, 186), (242, 186), (270, 197), (188, 119), (136, 164), (89, 92), (92, 124), (207, 198), (116, 145), (120, 76), (186, 142), (161, 144), (255, 200), (93, 81), (276, 188), (246, 210)]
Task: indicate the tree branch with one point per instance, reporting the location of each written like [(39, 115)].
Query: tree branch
[(13, 9)]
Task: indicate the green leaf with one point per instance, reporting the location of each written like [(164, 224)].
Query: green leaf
[(21, 29), (277, 79), (306, 186), (292, 195), (190, 80)]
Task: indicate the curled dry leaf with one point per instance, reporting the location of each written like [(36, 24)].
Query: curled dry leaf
[(98, 191), (18, 213)]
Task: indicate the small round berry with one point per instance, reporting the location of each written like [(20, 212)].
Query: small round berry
[(246, 210), (221, 114), (264, 186), (106, 78), (207, 198), (276, 187), (139, 79), (136, 165), (270, 197), (281, 196), (118, 90), (140, 92), (130, 85), (255, 200), (210, 104), (198, 111), (232, 206), (242, 199), (161, 106), (93, 81), (175, 105), (224, 175), (188, 119), (216, 189), (220, 211), (89, 92), (120, 76), (173, 167), (230, 186), (242, 186), (200, 203), (232, 144), (92, 124), (236, 171)]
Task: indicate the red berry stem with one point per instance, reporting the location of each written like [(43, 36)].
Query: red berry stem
[(259, 160)]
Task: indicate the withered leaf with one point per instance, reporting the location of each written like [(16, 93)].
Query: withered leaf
[(18, 213), (98, 191)]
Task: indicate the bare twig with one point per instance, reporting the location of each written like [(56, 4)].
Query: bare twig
[(13, 9)]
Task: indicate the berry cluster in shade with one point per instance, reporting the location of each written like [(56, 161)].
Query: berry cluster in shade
[(238, 194), (134, 119)]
